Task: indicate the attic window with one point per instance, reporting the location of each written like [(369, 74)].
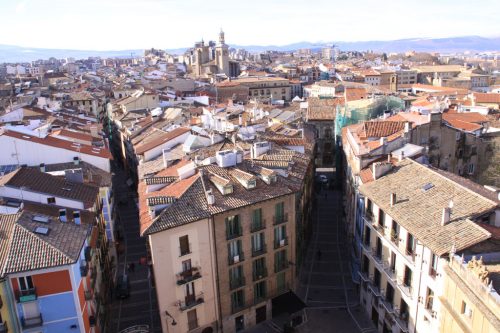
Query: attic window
[(51, 200), (251, 184), (228, 189), (41, 219), (41, 230), (427, 187)]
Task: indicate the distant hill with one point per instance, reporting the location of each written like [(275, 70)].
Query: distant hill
[(9, 53)]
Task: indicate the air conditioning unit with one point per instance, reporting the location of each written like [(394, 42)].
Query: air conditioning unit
[(282, 242), (236, 259)]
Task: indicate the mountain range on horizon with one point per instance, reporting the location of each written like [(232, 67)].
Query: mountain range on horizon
[(17, 54)]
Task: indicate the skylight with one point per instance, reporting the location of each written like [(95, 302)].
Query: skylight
[(41, 230), (41, 219), (427, 187)]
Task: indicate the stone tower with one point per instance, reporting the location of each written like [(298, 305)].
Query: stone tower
[(222, 55)]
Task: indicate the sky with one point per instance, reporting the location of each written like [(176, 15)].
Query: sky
[(167, 24)]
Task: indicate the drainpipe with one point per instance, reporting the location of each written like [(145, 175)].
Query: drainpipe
[(216, 286), (419, 285)]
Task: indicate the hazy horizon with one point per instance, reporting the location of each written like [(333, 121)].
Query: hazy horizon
[(106, 25)]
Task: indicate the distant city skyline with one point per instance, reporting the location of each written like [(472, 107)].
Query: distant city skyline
[(127, 24)]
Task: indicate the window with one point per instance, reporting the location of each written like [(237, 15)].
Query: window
[(259, 268), (236, 277), (235, 251), (366, 264), (184, 245), (279, 212), (381, 218), (429, 299), (378, 252), (192, 319), (280, 236), (233, 226), (395, 233), (26, 283), (389, 293), (257, 223), (368, 207), (258, 246), (259, 291), (434, 265), (376, 278), (408, 276), (410, 246), (466, 310), (471, 169), (281, 282), (367, 235), (51, 200), (280, 261), (237, 300)]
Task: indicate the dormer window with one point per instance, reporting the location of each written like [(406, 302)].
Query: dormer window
[(228, 189)]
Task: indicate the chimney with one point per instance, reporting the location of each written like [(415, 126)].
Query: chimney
[(62, 215), (393, 199), (210, 197), (240, 119), (445, 219), (42, 167), (407, 127), (166, 156), (76, 217), (383, 141), (401, 155), (389, 157), (76, 160)]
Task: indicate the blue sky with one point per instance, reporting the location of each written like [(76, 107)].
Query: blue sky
[(132, 24)]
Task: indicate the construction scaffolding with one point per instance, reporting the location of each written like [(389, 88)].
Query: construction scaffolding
[(361, 110)]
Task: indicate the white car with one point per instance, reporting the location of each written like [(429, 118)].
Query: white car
[(323, 179)]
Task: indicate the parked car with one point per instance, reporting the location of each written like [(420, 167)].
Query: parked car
[(323, 179), (122, 287)]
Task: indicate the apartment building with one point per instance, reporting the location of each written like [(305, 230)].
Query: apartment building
[(414, 219), (406, 77), (56, 275), (470, 301), (222, 237), (264, 87)]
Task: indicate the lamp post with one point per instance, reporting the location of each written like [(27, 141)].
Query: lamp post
[(173, 320)]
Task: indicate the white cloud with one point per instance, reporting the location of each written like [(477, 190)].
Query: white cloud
[(21, 7)]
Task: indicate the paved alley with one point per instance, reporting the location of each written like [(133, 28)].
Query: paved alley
[(141, 307), (325, 282)]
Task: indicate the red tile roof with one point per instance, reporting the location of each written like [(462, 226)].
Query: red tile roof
[(142, 148), (62, 144), (487, 98)]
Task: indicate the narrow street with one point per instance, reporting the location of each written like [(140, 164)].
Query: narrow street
[(325, 282), (141, 307)]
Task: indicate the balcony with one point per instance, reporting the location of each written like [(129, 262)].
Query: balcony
[(32, 322), (233, 235), (364, 276), (405, 288), (375, 290), (410, 255), (260, 274), (377, 255), (259, 299), (3, 327), (278, 219), (280, 265), (235, 259), (27, 295), (84, 269), (391, 273), (281, 242), (257, 225), (395, 238), (236, 283), (259, 252), (188, 275), (389, 308), (183, 250), (190, 301), (401, 320), (237, 307)]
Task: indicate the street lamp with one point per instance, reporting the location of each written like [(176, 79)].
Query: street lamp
[(173, 320)]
